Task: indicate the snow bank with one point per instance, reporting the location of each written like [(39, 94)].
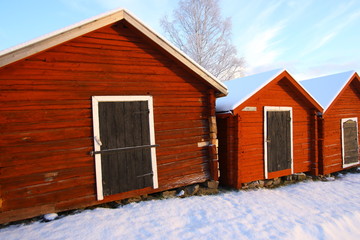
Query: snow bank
[(307, 210)]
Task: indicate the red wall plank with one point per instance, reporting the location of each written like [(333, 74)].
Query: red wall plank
[(345, 106), (249, 148), (47, 117)]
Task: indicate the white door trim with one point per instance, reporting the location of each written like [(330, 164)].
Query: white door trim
[(343, 120), (97, 137), (269, 109)]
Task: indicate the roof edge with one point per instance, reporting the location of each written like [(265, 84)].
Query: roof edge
[(325, 108), (347, 82), (57, 37), (278, 76), (52, 39), (235, 105), (173, 50), (301, 87)]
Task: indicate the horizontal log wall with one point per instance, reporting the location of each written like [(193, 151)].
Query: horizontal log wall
[(347, 105), (251, 130), (46, 119)]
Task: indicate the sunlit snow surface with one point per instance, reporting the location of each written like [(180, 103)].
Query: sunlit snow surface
[(325, 89), (240, 89), (306, 210)]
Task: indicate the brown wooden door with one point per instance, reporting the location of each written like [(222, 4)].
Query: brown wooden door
[(278, 140), (125, 125), (350, 141)]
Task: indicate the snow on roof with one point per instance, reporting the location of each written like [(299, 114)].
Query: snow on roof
[(325, 89), (42, 43), (240, 89)]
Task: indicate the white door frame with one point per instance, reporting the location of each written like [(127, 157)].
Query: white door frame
[(277, 109), (97, 137), (343, 120)]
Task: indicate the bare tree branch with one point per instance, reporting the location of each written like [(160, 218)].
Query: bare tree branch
[(199, 30)]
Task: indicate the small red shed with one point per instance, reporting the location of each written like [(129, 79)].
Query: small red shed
[(266, 128), (339, 94), (100, 111)]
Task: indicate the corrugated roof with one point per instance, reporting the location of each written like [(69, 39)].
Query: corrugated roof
[(325, 89), (42, 43), (240, 89)]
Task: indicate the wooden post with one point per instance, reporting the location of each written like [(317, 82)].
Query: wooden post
[(320, 144), (315, 162), (213, 145), (236, 161)]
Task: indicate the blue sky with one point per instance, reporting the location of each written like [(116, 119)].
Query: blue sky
[(309, 38)]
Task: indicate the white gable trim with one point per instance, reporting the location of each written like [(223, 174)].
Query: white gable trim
[(334, 97), (338, 93), (55, 38), (236, 87), (238, 103), (50, 40), (182, 57)]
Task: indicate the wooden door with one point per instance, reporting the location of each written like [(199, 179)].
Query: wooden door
[(350, 148), (125, 146), (278, 141)]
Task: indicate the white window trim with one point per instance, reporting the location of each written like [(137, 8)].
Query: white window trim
[(343, 120), (96, 130), (269, 109)]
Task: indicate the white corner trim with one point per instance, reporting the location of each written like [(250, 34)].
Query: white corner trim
[(343, 120), (96, 131), (269, 109)]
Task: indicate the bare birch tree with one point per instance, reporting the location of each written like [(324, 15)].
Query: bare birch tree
[(199, 30)]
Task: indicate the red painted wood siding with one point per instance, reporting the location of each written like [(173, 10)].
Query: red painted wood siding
[(46, 119), (250, 131), (346, 106), (227, 129)]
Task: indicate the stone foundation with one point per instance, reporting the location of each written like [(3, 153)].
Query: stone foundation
[(275, 182), (206, 188), (297, 177)]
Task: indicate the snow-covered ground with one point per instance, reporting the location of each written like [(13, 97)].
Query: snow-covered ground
[(306, 210)]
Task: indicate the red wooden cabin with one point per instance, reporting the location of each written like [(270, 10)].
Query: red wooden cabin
[(101, 111), (339, 94), (266, 129)]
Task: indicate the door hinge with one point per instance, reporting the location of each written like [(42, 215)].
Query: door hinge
[(146, 174), (98, 141)]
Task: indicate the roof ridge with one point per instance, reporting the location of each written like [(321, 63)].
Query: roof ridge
[(335, 84)]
